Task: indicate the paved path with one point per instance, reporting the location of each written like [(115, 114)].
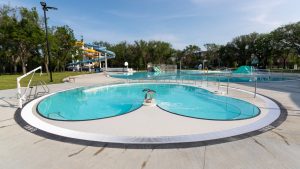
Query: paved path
[(274, 149)]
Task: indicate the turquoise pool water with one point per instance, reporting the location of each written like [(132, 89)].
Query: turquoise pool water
[(109, 101), (197, 75)]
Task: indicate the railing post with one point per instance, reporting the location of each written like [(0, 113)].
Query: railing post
[(227, 84), (255, 86), (206, 80), (219, 81), (201, 80), (19, 93)]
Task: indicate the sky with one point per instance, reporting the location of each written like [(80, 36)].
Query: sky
[(180, 22)]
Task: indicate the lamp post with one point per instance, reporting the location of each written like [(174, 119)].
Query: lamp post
[(180, 62), (126, 65), (45, 8)]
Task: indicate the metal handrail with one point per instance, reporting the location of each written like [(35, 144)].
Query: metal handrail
[(22, 97), (254, 77), (204, 77), (44, 86)]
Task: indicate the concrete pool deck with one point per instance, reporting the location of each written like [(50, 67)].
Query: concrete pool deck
[(278, 148)]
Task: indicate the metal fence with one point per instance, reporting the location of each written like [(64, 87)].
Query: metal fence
[(219, 80)]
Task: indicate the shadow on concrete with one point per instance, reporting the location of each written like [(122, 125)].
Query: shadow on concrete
[(47, 135), (8, 103)]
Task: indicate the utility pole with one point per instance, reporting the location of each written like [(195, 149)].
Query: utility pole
[(45, 8)]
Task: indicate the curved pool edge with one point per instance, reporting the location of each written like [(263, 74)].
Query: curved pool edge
[(28, 115), (40, 114), (88, 87), (96, 88), (178, 114)]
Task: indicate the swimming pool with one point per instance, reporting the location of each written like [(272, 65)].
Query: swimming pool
[(114, 100), (197, 75)]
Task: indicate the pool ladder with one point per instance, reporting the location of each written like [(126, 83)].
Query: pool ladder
[(36, 93)]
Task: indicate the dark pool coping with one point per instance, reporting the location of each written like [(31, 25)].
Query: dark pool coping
[(29, 128), (155, 140)]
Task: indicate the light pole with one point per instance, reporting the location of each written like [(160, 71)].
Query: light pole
[(203, 62), (180, 62), (45, 8)]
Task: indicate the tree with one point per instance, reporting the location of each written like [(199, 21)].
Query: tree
[(142, 50), (22, 45), (281, 48), (27, 35), (263, 49), (63, 47), (212, 54), (228, 55), (163, 51), (8, 52), (191, 56), (122, 53)]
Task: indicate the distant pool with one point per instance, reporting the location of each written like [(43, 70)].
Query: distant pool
[(197, 75), (109, 101)]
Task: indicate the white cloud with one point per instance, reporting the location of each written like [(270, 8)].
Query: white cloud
[(263, 19), (269, 14)]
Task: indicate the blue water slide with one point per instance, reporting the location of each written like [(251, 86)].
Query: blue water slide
[(110, 54), (88, 61)]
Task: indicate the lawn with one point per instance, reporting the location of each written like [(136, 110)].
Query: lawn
[(10, 81)]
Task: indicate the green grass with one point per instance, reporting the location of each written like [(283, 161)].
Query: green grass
[(10, 81)]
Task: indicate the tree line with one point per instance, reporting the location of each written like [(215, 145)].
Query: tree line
[(23, 47), (22, 41), (278, 49)]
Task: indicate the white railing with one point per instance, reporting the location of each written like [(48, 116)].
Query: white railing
[(23, 96)]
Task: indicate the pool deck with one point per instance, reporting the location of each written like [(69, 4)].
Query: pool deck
[(274, 148)]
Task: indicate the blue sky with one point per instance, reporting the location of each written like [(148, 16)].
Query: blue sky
[(180, 22)]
